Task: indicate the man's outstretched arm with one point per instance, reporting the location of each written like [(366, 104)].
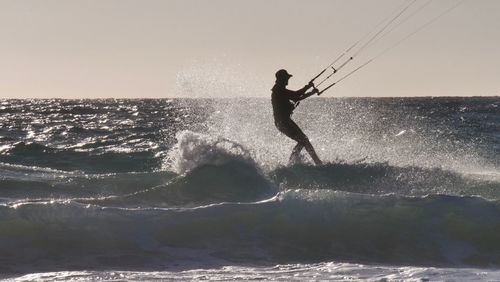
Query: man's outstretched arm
[(309, 94), (299, 94)]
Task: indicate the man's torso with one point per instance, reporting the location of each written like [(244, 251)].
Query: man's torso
[(282, 106)]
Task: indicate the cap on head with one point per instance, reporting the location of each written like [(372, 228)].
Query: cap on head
[(282, 74)]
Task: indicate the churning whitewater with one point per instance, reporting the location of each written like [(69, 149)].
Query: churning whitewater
[(188, 187)]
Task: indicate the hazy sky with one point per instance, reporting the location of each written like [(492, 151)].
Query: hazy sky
[(169, 48)]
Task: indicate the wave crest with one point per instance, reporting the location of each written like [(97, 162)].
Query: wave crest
[(299, 226), (194, 150), (382, 178), (234, 181)]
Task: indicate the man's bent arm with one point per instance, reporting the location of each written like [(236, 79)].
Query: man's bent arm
[(297, 95)]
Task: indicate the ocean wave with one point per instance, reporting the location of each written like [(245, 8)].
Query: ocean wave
[(211, 170), (382, 178), (194, 150), (298, 226), (35, 154), (31, 182), (220, 171), (232, 181), (27, 148)]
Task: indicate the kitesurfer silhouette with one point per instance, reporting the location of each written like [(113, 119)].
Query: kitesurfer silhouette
[(284, 102)]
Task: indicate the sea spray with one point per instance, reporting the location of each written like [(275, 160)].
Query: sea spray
[(194, 150)]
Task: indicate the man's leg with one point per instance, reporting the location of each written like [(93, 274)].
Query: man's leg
[(312, 152), (295, 156), (293, 131)]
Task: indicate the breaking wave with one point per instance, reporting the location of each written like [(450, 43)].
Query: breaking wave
[(297, 226)]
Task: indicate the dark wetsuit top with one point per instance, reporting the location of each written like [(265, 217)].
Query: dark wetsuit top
[(283, 107), (282, 101)]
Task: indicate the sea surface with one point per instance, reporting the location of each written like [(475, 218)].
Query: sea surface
[(201, 189)]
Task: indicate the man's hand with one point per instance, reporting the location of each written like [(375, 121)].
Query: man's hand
[(310, 84)]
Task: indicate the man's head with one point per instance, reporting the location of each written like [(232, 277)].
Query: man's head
[(282, 76)]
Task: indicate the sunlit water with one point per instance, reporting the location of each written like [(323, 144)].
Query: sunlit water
[(200, 189)]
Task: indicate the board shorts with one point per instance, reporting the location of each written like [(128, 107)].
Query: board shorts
[(291, 129)]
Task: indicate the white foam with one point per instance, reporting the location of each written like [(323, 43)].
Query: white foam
[(194, 149), (331, 271)]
